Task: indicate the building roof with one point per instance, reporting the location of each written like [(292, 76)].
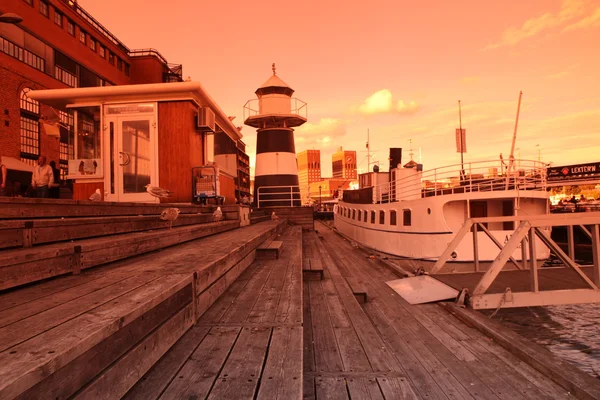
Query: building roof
[(274, 81), (175, 91)]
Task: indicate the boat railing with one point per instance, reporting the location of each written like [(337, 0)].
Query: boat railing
[(479, 176)]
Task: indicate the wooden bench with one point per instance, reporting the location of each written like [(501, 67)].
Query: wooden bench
[(358, 289), (269, 251), (312, 267)]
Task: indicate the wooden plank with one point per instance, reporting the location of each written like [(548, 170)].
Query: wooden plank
[(21, 274), (565, 374), (351, 349), (11, 237), (309, 354), (210, 295), (289, 309), (195, 379), (165, 370), (327, 357), (240, 374), (331, 388), (308, 388), (282, 374), (396, 388), (364, 388), (52, 208), (43, 354), (22, 330), (66, 381), (379, 355), (118, 379)]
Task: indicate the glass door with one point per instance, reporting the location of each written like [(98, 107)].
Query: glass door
[(132, 165)]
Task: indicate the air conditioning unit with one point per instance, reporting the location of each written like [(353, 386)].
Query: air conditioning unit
[(205, 120)]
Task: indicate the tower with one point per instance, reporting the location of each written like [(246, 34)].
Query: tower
[(274, 117)]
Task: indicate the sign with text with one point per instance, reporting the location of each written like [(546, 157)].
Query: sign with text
[(578, 171), (461, 140)]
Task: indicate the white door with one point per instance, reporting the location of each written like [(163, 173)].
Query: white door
[(131, 144)]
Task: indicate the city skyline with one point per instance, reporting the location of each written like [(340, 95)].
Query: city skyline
[(396, 69)]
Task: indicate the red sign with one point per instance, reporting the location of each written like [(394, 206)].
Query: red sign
[(461, 141)]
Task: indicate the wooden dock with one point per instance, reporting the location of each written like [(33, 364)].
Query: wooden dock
[(206, 319)]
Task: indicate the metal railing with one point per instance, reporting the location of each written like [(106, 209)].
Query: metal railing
[(297, 107), (267, 195), (524, 237), (480, 176)]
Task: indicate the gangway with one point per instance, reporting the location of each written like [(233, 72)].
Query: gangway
[(529, 284)]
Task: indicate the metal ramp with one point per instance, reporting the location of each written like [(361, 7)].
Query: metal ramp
[(571, 284), (422, 289)]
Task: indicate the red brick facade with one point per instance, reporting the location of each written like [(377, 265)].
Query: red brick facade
[(102, 55)]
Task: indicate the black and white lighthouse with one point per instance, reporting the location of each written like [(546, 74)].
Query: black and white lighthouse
[(275, 113)]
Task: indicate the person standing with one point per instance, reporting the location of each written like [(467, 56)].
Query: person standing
[(3, 172), (43, 178)]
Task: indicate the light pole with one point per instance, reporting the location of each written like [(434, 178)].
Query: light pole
[(320, 198), (10, 18)]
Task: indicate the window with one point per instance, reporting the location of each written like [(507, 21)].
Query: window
[(102, 51), (44, 9), (65, 76), (66, 142), (92, 43), (58, 18), (82, 36), (71, 27), (126, 68), (119, 64), (30, 127), (111, 58), (372, 217), (407, 218), (30, 2), (381, 217), (21, 54), (393, 217), (353, 214), (365, 215)]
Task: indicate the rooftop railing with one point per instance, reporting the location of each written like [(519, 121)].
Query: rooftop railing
[(481, 176)]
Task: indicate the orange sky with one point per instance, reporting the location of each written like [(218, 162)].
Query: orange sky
[(396, 67)]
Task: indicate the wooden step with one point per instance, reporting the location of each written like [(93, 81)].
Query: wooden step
[(12, 208), (270, 251), (312, 267), (96, 338), (22, 266), (358, 289)]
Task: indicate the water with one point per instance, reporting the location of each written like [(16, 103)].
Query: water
[(568, 331)]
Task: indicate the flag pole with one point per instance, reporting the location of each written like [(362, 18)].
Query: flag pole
[(460, 133)]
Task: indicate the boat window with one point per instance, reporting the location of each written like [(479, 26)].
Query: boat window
[(407, 218), (381, 217), (393, 217), (372, 217), (365, 215), (353, 214)]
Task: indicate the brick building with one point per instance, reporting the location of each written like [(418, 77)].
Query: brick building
[(59, 45), (309, 171), (343, 163)]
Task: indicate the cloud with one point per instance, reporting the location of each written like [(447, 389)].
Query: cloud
[(573, 14), (382, 102), (590, 21), (470, 79), (319, 135)]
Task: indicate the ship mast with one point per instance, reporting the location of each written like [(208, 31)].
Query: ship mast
[(511, 160)]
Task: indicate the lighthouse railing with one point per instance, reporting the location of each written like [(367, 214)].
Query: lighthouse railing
[(278, 194), (297, 107)]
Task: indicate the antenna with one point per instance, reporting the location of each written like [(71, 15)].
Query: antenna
[(511, 160), (462, 161), (411, 150), (420, 156)]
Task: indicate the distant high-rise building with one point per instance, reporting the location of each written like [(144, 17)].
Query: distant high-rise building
[(343, 164), (309, 171)]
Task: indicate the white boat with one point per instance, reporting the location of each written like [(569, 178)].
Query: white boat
[(413, 214)]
